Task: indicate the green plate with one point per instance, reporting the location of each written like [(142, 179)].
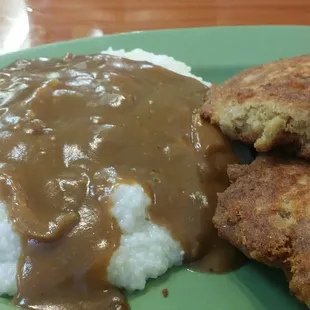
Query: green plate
[(214, 54)]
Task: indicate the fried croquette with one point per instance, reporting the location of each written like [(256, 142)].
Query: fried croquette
[(267, 105), (266, 213)]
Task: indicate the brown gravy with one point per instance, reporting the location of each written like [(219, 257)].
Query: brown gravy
[(220, 258), (65, 125)]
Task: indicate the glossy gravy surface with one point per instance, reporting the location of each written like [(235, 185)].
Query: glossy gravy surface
[(68, 128)]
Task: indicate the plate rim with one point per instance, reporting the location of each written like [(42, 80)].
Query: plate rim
[(235, 30)]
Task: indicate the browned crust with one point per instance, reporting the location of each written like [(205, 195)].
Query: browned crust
[(278, 91), (266, 214)]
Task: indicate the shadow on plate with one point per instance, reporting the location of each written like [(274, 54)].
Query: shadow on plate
[(268, 285), (262, 287)]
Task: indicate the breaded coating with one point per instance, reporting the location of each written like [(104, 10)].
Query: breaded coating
[(267, 105), (266, 214)]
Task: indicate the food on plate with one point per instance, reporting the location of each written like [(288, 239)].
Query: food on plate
[(265, 214), (165, 292), (267, 106), (108, 176), (264, 211)]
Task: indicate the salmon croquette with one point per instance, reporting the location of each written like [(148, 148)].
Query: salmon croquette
[(265, 213), (267, 106)]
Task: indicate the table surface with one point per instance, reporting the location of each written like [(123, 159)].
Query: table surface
[(26, 23)]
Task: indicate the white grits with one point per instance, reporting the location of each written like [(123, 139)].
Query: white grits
[(9, 253), (146, 250)]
